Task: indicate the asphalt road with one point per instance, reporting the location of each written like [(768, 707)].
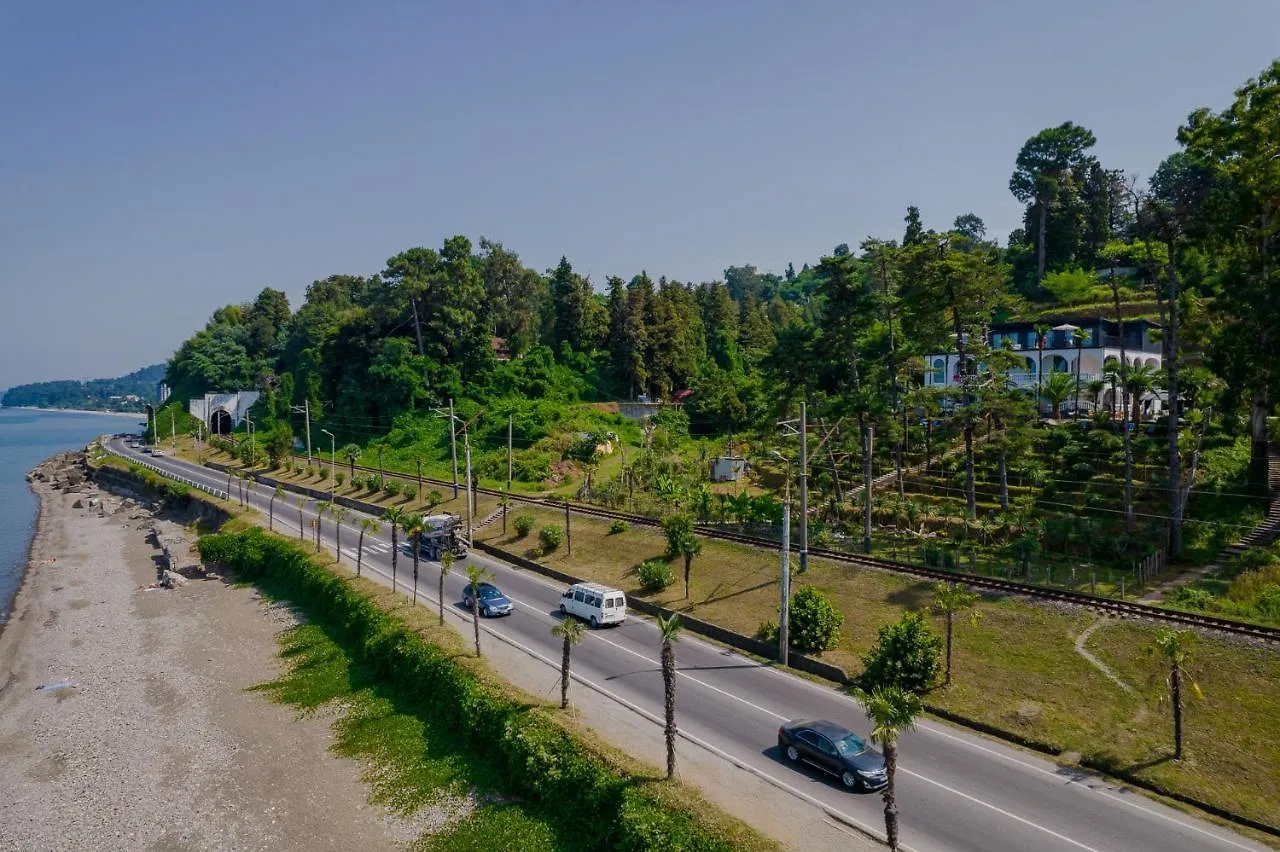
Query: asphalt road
[(956, 791)]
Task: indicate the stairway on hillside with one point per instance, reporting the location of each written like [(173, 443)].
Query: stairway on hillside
[(1269, 530)]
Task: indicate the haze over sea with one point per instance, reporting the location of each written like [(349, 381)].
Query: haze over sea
[(27, 438)]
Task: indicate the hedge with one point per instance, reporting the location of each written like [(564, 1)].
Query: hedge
[(538, 759)]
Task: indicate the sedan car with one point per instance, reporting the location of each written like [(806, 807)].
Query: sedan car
[(836, 750), (492, 601)]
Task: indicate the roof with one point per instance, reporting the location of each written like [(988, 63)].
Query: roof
[(828, 729), (595, 587)]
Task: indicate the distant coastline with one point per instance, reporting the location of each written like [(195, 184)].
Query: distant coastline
[(133, 414)]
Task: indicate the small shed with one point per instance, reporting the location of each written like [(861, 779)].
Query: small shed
[(728, 468)]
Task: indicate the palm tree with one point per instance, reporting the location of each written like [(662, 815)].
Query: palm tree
[(1113, 372), (1141, 381), (230, 473), (446, 565), (300, 503), (570, 630), (271, 507), (321, 508), (339, 513), (1041, 329), (893, 711), (1177, 649), (395, 518), (669, 628), (475, 576), (949, 599), (1096, 387), (372, 527), (1058, 391), (351, 452), (689, 546), (413, 528), (382, 476), (1079, 336)]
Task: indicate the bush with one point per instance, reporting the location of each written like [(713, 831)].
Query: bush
[(324, 473), (391, 487), (618, 526), (677, 529), (297, 470), (655, 575), (523, 525), (767, 631), (550, 537), (339, 477), (905, 655), (814, 621)]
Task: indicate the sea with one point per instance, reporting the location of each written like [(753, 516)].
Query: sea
[(28, 437)]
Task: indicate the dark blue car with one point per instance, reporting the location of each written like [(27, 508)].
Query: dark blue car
[(492, 601)]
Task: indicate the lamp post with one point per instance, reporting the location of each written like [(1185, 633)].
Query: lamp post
[(333, 462), (784, 641)]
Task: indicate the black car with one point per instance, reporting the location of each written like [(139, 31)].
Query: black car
[(834, 749), (492, 601)]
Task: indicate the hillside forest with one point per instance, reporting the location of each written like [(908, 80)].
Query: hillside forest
[(125, 393), (985, 475)]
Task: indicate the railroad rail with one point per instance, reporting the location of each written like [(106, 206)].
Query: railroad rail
[(993, 585)]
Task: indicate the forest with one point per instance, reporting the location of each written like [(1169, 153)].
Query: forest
[(983, 470), (96, 394)]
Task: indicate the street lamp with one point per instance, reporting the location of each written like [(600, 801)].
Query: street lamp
[(784, 641), (333, 461)]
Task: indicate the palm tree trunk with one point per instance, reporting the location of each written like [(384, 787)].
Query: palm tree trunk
[(442, 594), (950, 619), (669, 688), (271, 513), (1175, 688), (475, 617), (319, 515), (564, 675), (688, 564), (360, 553), (301, 524), (415, 570), (337, 541), (890, 799), (395, 557)]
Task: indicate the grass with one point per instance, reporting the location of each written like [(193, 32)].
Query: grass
[(1017, 670)]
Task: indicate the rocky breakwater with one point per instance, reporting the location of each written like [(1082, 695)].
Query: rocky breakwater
[(66, 472)]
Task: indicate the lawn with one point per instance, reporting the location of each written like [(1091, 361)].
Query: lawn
[(1017, 669)]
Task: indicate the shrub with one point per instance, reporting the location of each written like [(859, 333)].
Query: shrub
[(618, 526), (339, 477), (391, 487), (677, 529), (324, 473), (297, 470), (905, 655), (523, 525), (767, 631), (550, 537), (814, 621), (655, 575)]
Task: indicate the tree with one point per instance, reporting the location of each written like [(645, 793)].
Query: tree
[(446, 565), (914, 235), (904, 655), (339, 515), (571, 631), (1176, 649), (1042, 332), (1043, 172), (395, 518), (475, 576), (669, 629), (351, 452), (300, 502), (949, 599), (372, 527), (1058, 390), (681, 541), (413, 528), (1079, 336), (271, 507), (279, 443), (815, 621), (970, 226), (893, 712)]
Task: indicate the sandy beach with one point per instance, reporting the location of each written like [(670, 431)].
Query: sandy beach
[(124, 720)]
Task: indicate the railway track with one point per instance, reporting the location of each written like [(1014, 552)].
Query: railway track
[(992, 585)]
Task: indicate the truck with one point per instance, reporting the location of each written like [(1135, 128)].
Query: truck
[(442, 533)]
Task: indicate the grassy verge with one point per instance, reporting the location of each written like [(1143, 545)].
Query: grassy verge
[(432, 720), (1018, 670)]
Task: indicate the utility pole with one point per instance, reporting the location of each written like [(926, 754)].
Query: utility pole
[(568, 535), (249, 427), (305, 411), (509, 418), (173, 432), (333, 464), (466, 440), (804, 489), (453, 446), (784, 611)]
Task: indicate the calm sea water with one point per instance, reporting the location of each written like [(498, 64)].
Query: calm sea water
[(26, 439)]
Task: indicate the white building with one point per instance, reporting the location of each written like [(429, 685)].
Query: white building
[(222, 412), (1097, 348)]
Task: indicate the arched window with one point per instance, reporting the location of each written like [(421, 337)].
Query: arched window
[(939, 371)]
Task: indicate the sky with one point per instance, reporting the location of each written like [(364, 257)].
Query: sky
[(159, 160)]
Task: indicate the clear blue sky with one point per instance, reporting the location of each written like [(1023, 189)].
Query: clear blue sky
[(160, 159)]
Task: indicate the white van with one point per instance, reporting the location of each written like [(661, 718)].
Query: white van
[(595, 603)]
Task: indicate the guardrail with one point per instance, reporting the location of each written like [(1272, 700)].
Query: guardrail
[(168, 474)]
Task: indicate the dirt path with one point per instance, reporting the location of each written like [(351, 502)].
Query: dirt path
[(1094, 661), (157, 745)]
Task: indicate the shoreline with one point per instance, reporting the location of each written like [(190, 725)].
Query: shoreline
[(76, 411), (38, 531)]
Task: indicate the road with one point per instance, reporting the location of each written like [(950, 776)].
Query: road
[(956, 791)]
